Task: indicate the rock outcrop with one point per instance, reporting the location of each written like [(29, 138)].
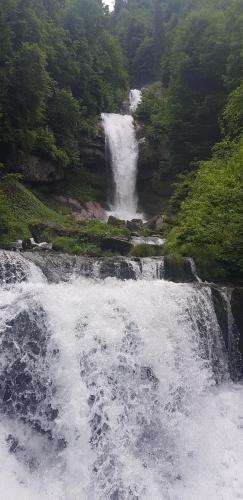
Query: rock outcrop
[(237, 312), (81, 212), (92, 151), (116, 245), (179, 270), (36, 170)]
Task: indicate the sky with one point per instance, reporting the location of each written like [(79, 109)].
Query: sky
[(110, 3)]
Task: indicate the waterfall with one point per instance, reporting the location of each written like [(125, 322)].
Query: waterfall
[(111, 389), (123, 148)]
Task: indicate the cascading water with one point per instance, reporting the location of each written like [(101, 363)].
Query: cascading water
[(123, 147), (113, 390)]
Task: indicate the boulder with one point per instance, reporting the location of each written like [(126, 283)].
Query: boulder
[(117, 268), (156, 224), (115, 222), (30, 243), (116, 245), (178, 270), (135, 225)]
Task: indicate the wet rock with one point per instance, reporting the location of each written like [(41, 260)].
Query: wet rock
[(26, 244), (178, 270), (220, 307), (237, 312), (13, 269), (117, 268), (116, 245), (25, 386), (17, 245), (30, 244)]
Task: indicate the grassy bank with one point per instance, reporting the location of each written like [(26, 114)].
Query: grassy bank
[(23, 214)]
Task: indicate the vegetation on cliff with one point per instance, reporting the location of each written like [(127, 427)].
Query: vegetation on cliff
[(59, 68), (191, 121)]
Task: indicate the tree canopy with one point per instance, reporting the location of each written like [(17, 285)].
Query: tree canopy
[(59, 68)]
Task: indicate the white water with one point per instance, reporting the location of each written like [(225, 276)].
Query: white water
[(135, 97), (123, 148), (130, 367)]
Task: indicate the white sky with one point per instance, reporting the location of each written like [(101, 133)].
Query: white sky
[(110, 3)]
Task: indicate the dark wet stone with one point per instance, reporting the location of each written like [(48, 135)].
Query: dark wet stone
[(117, 268), (116, 245), (61, 444), (220, 307), (178, 270), (22, 381), (34, 348), (12, 443), (237, 312), (91, 400), (147, 374)]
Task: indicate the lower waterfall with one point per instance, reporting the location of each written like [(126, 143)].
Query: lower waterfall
[(114, 390)]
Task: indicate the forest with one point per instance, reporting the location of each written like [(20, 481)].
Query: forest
[(63, 62)]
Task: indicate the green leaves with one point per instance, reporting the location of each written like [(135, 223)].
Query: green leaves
[(59, 68), (211, 217)]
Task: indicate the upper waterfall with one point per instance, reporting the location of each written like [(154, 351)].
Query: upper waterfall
[(123, 147), (135, 99)]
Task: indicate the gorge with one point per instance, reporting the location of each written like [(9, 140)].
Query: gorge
[(121, 267)]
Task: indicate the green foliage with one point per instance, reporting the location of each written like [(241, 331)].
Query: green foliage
[(211, 219), (233, 113), (144, 250), (101, 230), (19, 208), (182, 188), (59, 68), (139, 27), (75, 246)]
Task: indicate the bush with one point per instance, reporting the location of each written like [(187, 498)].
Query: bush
[(144, 250)]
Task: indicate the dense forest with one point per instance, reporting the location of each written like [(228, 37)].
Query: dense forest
[(64, 62), (59, 68)]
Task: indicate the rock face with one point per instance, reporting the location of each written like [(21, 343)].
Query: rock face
[(37, 170), (156, 224), (237, 312), (135, 225), (82, 213), (154, 184), (119, 245), (220, 307), (116, 268), (92, 151), (25, 392), (178, 270)]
